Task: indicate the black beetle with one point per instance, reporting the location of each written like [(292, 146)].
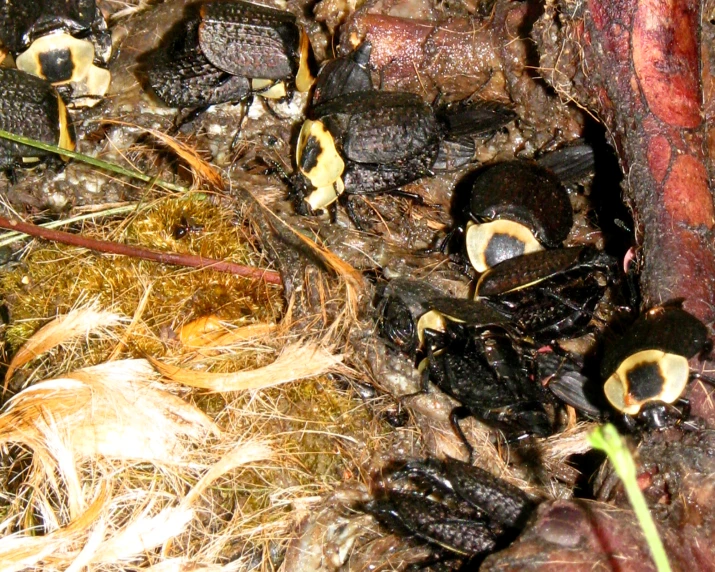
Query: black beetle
[(407, 307), (515, 208), (30, 106), (63, 41), (343, 75), (451, 504), (491, 376), (226, 51), (184, 227), (469, 353), (548, 294), (367, 142), (646, 370)]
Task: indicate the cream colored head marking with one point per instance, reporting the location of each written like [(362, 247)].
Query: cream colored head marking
[(667, 375), (480, 237)]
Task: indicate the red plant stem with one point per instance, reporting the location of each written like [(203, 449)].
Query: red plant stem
[(190, 260)]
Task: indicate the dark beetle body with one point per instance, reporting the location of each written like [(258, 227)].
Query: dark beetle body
[(376, 142), (30, 107), (384, 129), (211, 56), (667, 328), (474, 513), (524, 192), (470, 354), (489, 375), (548, 294), (343, 75), (571, 164), (514, 208), (251, 40), (23, 22), (63, 41), (403, 305), (182, 76)]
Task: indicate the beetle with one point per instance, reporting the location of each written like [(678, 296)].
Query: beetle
[(646, 370), (184, 227), (549, 294), (406, 308), (451, 504), (468, 350), (515, 207), (65, 42), (342, 75), (227, 51), (368, 142), (31, 107), (490, 374)]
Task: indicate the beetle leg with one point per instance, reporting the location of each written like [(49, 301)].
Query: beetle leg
[(347, 201), (245, 103), (419, 199), (447, 240), (464, 267), (333, 212), (11, 173), (565, 301), (701, 377), (455, 416), (186, 116)]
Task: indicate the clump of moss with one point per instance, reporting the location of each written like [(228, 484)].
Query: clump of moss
[(54, 278)]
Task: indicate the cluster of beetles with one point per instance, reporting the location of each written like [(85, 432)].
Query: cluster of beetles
[(495, 352)]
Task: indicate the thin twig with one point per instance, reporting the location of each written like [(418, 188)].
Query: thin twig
[(10, 237), (268, 276)]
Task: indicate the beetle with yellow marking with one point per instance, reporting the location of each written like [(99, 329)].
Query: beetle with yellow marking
[(408, 307), (373, 142), (515, 208), (30, 107), (648, 366), (549, 294), (466, 348), (65, 42)]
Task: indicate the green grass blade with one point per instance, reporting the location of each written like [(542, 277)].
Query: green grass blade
[(92, 161), (608, 440)]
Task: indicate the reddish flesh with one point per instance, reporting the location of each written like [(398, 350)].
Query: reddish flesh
[(643, 58)]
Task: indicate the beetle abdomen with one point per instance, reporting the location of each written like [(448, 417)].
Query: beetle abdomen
[(250, 40), (525, 193)]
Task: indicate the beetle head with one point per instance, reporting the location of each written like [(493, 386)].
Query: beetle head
[(63, 59), (320, 163)]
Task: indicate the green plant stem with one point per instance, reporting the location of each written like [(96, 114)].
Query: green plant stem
[(607, 439), (92, 161)]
